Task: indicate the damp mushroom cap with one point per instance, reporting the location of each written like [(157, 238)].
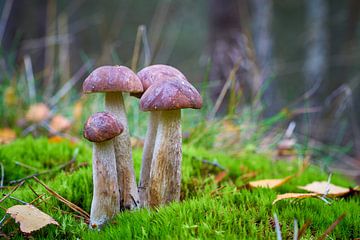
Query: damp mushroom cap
[(102, 126), (112, 79), (170, 95)]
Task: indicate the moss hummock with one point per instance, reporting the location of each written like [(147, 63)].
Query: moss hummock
[(207, 209)]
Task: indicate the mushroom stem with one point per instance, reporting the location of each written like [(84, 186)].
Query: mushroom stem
[(165, 173), (106, 197), (129, 195), (147, 157)]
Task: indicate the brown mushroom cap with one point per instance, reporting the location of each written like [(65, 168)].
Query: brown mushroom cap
[(102, 126), (112, 79), (156, 73), (170, 95)]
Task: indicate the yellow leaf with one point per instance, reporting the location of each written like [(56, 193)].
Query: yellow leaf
[(7, 135), (30, 218), (295, 195), (325, 188), (269, 183)]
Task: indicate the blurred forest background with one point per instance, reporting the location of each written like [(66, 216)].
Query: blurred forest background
[(295, 58)]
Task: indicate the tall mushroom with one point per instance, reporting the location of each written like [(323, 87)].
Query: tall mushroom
[(148, 76), (113, 80), (168, 97), (100, 129)]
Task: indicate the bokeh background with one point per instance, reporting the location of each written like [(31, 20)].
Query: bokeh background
[(298, 61)]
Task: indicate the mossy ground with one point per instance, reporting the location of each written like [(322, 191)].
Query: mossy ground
[(204, 212)]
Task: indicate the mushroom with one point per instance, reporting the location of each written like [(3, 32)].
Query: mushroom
[(113, 80), (101, 128), (168, 98), (148, 76)]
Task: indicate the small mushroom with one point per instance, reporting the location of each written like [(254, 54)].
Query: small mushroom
[(148, 76), (113, 80), (101, 128), (167, 97)]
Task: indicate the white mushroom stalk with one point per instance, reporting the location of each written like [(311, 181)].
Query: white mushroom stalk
[(147, 156), (168, 98), (149, 76), (113, 80), (114, 103), (100, 129)]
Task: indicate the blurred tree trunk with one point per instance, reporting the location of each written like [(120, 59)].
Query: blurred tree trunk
[(230, 54), (261, 16), (316, 46)]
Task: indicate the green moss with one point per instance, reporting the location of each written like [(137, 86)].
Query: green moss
[(203, 213)]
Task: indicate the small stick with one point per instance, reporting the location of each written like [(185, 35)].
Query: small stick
[(76, 152), (62, 199), (215, 164), (277, 227), (303, 228), (30, 78), (16, 199), (12, 191), (26, 166), (2, 175), (332, 226)]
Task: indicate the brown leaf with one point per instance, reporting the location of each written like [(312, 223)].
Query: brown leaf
[(295, 195), (37, 113), (30, 218), (325, 187), (220, 176), (268, 183), (59, 123), (7, 135)]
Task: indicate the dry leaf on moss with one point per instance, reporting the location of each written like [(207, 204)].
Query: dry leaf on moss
[(268, 183), (220, 176), (324, 187), (7, 135), (30, 218), (295, 195)]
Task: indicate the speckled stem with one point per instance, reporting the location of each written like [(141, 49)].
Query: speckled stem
[(147, 157), (129, 195), (106, 197), (165, 173)]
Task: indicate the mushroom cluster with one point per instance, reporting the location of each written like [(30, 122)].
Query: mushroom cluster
[(164, 91)]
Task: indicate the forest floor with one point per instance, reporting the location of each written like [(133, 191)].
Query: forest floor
[(217, 201)]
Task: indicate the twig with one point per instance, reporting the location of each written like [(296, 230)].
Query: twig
[(12, 191), (215, 164), (2, 175), (16, 199), (73, 159), (296, 229), (63, 200), (30, 78), (332, 226), (277, 227), (25, 166), (303, 229), (137, 47), (69, 84)]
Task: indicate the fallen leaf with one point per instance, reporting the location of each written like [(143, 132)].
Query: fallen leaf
[(30, 218), (268, 183), (7, 135), (295, 195), (59, 123), (220, 176), (326, 188), (10, 98), (37, 113)]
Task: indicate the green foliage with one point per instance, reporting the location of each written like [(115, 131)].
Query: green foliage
[(205, 210)]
